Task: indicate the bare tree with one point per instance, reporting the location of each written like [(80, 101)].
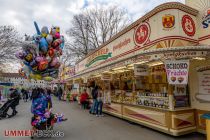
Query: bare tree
[(9, 44), (94, 27)]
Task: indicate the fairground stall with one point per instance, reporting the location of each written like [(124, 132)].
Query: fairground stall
[(156, 72)]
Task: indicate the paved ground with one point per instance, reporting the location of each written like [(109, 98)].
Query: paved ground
[(83, 126)]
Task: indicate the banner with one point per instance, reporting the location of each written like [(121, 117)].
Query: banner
[(177, 71), (140, 70)]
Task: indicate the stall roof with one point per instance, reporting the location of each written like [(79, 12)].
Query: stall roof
[(147, 52)]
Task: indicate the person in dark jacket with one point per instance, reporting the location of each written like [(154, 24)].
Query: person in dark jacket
[(25, 94), (94, 94), (49, 92), (14, 95), (60, 93)]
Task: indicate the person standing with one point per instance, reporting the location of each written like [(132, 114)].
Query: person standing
[(84, 99), (60, 93), (0, 95), (99, 105), (26, 95), (49, 99), (30, 93), (94, 94), (14, 95)]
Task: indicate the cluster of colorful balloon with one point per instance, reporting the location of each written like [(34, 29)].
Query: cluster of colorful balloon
[(40, 54)]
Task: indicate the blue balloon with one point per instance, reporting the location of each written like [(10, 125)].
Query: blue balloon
[(43, 45), (62, 44), (37, 28), (26, 63)]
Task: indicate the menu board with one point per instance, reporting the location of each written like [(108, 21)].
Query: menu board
[(177, 72), (106, 76), (204, 83), (140, 70)]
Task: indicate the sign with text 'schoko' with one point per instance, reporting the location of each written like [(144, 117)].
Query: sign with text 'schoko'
[(177, 72)]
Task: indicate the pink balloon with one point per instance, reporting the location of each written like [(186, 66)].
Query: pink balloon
[(54, 62), (39, 58), (57, 35), (19, 54)]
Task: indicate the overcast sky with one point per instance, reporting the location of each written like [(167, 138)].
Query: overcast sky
[(22, 13)]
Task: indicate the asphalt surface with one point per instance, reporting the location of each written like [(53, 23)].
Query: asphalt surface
[(83, 126)]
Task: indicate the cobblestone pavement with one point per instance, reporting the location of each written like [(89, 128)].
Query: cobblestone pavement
[(83, 126)]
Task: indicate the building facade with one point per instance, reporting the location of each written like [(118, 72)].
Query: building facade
[(17, 80)]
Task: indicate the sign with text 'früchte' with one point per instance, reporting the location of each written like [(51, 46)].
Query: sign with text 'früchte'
[(177, 72)]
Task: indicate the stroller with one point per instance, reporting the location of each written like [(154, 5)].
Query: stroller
[(4, 109)]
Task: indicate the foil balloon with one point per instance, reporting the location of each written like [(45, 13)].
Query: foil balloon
[(56, 43), (44, 31), (27, 70), (51, 52), (34, 66), (42, 65), (21, 72), (48, 78), (35, 76), (43, 45), (28, 57), (39, 58), (19, 54), (54, 62), (40, 53), (57, 35), (59, 52), (36, 38), (37, 28), (49, 39), (53, 31), (57, 65), (62, 44), (57, 29), (48, 58)]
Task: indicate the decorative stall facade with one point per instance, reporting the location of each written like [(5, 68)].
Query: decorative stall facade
[(155, 72)]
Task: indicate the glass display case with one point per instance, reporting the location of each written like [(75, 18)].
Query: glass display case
[(157, 100)]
